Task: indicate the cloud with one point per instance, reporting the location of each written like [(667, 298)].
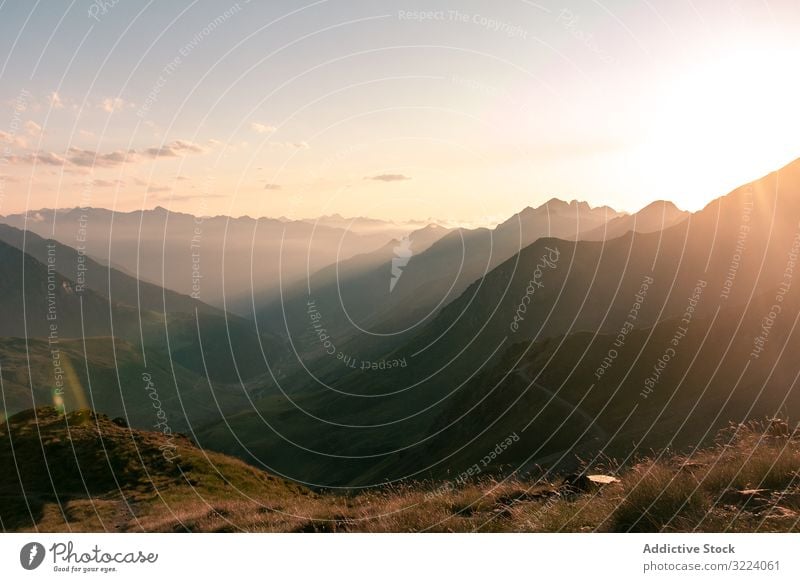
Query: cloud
[(272, 187), (33, 129), (262, 128), (151, 187), (107, 183), (83, 158), (13, 139), (92, 159), (388, 178), (111, 104), (175, 149), (55, 101), (47, 158)]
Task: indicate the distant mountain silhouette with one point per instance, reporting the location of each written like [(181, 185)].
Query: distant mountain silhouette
[(362, 225), (653, 217), (220, 260), (101, 279), (366, 294)]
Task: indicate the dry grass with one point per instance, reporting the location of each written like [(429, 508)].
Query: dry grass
[(748, 481)]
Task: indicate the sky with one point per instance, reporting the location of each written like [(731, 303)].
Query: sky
[(464, 111)]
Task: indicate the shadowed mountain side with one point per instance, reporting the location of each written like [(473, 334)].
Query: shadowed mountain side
[(38, 302), (195, 254), (397, 291), (586, 394), (112, 376), (103, 280), (547, 394), (362, 279)]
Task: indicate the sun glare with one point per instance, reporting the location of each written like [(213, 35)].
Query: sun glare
[(734, 118)]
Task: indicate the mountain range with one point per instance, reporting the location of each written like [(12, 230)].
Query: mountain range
[(223, 261), (581, 330), (713, 276), (381, 292)]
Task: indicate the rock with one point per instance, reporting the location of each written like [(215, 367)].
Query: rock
[(584, 482), (602, 479)]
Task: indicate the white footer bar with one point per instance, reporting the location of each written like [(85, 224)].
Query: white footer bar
[(390, 557)]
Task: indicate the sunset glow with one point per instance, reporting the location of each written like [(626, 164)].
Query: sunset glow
[(231, 113)]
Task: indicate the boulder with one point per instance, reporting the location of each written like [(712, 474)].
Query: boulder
[(586, 482)]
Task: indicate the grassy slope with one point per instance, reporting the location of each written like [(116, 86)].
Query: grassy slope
[(107, 477), (110, 478)]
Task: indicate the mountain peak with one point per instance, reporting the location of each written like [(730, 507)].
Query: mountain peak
[(666, 205), (554, 203)]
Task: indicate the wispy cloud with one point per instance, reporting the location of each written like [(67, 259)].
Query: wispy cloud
[(262, 127), (84, 158), (107, 183), (55, 101), (13, 139), (111, 104), (93, 159), (33, 129), (47, 158), (388, 178), (175, 149)]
